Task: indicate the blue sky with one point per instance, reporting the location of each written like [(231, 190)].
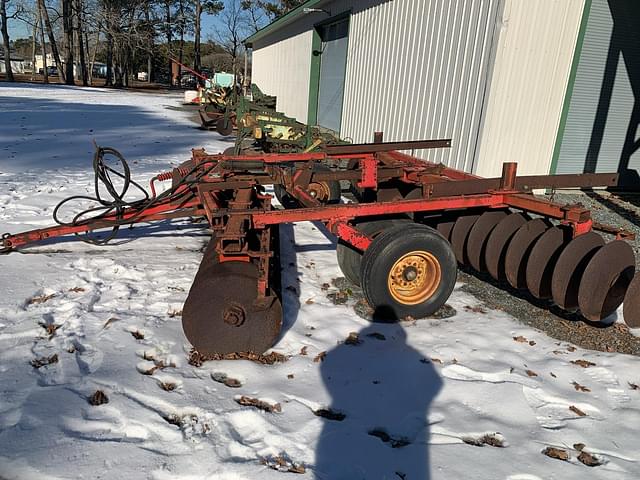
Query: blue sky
[(18, 29)]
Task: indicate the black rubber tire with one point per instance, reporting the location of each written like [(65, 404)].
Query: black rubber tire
[(287, 201), (229, 151), (385, 250), (350, 259)]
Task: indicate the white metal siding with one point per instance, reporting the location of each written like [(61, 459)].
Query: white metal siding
[(604, 113), (417, 69), (282, 69), (532, 64)]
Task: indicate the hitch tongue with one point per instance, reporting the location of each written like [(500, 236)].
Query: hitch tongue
[(6, 243)]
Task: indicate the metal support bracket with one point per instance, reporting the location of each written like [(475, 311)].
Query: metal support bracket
[(350, 234), (369, 167)]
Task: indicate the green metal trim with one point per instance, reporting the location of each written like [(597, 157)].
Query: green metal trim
[(280, 22), (314, 78), (335, 19), (570, 84)]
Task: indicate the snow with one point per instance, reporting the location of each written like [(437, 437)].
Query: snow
[(428, 388)]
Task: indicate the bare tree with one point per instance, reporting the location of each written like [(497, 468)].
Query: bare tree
[(277, 8), (52, 39), (129, 36), (34, 47), (256, 15), (43, 43), (212, 7), (78, 27), (168, 27), (233, 30), (5, 40), (67, 27), (151, 41)]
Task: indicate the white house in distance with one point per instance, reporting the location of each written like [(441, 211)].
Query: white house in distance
[(18, 63), (551, 84)]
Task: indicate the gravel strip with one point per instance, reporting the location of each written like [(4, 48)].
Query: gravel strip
[(556, 323)]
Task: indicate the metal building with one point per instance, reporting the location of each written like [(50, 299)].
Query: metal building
[(507, 80), (599, 129)]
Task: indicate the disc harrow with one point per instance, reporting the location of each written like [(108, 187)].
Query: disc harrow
[(407, 225)]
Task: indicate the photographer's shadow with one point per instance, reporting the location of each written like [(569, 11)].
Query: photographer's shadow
[(384, 388)]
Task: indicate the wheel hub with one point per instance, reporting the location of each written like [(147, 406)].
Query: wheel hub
[(320, 191), (410, 273), (234, 315), (414, 278)]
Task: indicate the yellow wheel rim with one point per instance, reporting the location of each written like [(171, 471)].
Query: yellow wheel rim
[(414, 278)]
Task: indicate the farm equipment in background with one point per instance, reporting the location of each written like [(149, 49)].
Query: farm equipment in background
[(216, 103), (259, 127), (220, 105), (407, 227), (259, 98), (264, 130)]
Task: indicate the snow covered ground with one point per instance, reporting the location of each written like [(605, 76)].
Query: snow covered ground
[(418, 400)]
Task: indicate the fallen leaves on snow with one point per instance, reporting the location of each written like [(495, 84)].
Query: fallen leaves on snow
[(577, 411), (475, 309), (168, 386), (491, 439), (556, 453), (259, 404), (226, 380), (197, 359), (583, 363), (580, 388), (40, 299), (353, 339), (44, 361), (109, 322), (98, 398), (282, 463), (395, 442), (137, 334), (320, 357), (50, 328), (329, 414), (589, 459)]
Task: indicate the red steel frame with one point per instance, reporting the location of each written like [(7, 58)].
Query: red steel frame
[(230, 195)]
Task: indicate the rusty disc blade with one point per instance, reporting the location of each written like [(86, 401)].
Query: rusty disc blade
[(224, 126), (459, 236), (631, 306), (389, 194), (606, 279), (498, 241), (445, 227), (543, 258), (569, 268), (222, 314), (478, 237), (519, 249)]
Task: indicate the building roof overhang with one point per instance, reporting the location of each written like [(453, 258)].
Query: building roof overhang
[(281, 22)]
